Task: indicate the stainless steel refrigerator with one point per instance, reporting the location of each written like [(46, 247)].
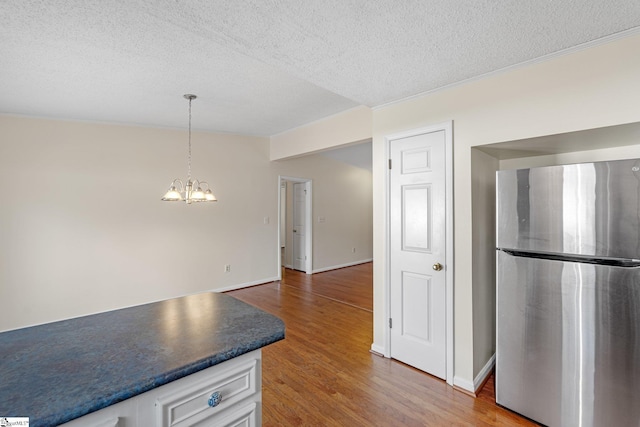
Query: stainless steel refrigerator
[(568, 293)]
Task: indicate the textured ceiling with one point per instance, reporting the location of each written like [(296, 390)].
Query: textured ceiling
[(261, 67)]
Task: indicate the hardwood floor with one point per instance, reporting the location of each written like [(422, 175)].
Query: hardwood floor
[(352, 286), (323, 373)]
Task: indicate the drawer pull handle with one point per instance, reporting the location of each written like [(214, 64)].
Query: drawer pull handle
[(215, 399)]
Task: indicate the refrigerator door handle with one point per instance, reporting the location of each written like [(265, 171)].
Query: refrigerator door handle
[(615, 262)]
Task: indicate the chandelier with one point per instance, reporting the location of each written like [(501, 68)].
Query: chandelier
[(193, 190)]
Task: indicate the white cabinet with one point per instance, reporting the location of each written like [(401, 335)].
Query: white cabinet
[(206, 396), (121, 414), (228, 394)]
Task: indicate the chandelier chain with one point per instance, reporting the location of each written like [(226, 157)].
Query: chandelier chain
[(189, 171)]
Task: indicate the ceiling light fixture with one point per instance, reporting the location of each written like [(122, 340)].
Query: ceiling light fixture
[(192, 191)]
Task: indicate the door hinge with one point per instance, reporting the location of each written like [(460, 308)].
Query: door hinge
[(389, 163), (305, 192), (305, 257), (390, 323)]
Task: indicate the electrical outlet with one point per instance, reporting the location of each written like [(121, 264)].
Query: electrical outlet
[(227, 268)]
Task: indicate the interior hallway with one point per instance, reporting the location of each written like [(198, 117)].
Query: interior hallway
[(323, 373)]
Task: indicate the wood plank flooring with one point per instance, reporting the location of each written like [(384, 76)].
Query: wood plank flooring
[(323, 373)]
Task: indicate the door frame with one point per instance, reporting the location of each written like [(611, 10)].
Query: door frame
[(447, 127), (308, 222)]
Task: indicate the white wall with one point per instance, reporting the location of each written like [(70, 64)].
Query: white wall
[(348, 127), (586, 89), (599, 155), (83, 230), (483, 204)]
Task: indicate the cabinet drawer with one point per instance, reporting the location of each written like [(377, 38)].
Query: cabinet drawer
[(187, 403), (247, 416), (121, 414)]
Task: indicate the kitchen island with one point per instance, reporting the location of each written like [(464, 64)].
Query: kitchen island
[(139, 358)]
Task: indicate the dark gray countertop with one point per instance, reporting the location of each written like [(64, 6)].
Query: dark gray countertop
[(59, 371)]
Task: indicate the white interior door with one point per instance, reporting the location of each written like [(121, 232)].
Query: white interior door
[(283, 215), (417, 238), (299, 226)]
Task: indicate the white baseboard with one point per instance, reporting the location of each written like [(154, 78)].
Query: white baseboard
[(463, 384), (472, 387), (335, 267), (482, 376), (288, 266), (245, 285), (378, 349)]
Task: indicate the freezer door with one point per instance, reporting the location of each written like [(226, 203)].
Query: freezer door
[(568, 342), (586, 209)]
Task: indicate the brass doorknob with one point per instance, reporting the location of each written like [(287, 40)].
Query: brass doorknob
[(437, 266)]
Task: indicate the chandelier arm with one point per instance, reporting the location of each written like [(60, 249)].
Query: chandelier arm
[(178, 181)]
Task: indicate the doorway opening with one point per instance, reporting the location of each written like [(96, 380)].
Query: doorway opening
[(295, 237)]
